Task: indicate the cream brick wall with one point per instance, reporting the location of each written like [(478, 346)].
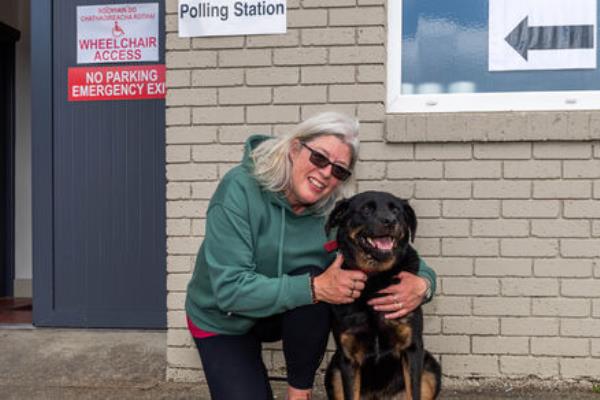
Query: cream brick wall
[(509, 203)]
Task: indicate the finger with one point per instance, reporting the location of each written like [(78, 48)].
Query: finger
[(355, 276), (387, 308), (392, 303), (339, 260), (403, 274), (377, 301), (359, 276), (396, 314), (348, 284), (347, 299), (392, 297), (390, 289)]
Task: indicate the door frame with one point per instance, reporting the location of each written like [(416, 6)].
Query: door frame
[(9, 36), (42, 160)]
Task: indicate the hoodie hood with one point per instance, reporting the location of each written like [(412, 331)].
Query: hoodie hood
[(251, 143)]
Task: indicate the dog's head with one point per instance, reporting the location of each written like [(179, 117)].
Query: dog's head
[(374, 230)]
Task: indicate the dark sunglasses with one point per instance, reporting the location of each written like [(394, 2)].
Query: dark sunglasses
[(319, 160)]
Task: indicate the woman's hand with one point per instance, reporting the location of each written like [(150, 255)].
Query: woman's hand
[(401, 298), (337, 285)]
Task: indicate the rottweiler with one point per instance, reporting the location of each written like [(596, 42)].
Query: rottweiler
[(378, 358)]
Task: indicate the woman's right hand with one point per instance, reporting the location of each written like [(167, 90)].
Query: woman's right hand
[(337, 285)]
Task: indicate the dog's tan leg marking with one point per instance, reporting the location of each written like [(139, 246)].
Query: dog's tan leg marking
[(406, 373), (428, 384), (352, 348), (355, 351), (338, 387), (356, 385), (403, 335)]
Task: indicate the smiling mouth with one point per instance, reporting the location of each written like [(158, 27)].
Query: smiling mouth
[(380, 244), (319, 185)]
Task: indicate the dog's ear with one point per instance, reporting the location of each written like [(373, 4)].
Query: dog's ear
[(411, 219), (337, 215)]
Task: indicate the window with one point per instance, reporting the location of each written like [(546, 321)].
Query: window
[(442, 55)]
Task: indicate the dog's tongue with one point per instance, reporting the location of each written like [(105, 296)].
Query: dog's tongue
[(383, 243)]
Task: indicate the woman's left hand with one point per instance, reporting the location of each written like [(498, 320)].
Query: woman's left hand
[(401, 298)]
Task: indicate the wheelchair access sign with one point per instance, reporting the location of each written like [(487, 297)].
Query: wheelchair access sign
[(117, 33), (542, 34)]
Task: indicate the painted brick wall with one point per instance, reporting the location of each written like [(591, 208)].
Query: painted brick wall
[(512, 227)]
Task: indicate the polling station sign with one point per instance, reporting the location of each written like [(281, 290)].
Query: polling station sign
[(116, 83), (117, 33), (231, 17)]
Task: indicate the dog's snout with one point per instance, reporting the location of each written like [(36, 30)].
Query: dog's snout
[(387, 220)]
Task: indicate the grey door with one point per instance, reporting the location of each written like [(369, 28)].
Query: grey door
[(108, 257)]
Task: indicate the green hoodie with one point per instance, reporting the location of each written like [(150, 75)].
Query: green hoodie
[(253, 240)]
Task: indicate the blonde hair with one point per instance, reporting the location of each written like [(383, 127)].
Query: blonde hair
[(272, 165)]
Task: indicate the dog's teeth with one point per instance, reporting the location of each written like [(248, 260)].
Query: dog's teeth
[(383, 243)]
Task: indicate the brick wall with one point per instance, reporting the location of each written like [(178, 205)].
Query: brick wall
[(512, 227)]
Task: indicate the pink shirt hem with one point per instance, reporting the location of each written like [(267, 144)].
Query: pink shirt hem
[(197, 332)]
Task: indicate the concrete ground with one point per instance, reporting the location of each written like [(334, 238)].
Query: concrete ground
[(108, 364)]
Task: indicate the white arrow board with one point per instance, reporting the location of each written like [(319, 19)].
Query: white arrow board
[(542, 34)]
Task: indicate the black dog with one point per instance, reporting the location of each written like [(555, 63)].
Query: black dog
[(378, 358)]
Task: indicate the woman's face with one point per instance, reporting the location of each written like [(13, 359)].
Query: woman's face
[(310, 183)]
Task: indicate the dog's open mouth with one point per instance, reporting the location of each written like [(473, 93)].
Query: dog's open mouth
[(385, 243), (377, 244)]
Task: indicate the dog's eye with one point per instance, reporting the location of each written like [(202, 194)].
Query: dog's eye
[(394, 209), (368, 209)]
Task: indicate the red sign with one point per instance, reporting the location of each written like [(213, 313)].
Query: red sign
[(117, 83)]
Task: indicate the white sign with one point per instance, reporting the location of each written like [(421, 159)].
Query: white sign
[(542, 34), (231, 17), (117, 33)]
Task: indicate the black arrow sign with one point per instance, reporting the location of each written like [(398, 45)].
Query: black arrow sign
[(524, 38)]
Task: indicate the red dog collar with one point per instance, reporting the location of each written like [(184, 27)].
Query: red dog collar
[(330, 246)]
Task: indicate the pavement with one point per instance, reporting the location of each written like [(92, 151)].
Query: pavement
[(66, 364)]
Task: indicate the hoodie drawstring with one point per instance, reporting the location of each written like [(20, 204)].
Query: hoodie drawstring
[(280, 247)]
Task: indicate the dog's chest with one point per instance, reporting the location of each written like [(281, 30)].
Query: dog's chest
[(368, 335)]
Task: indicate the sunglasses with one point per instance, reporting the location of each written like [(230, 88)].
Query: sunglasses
[(319, 160)]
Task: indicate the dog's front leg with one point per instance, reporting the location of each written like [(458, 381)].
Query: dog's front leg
[(412, 367), (354, 353), (350, 380)]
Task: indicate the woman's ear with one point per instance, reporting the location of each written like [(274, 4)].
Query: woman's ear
[(295, 148)]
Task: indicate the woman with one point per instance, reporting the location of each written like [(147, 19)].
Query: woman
[(263, 273)]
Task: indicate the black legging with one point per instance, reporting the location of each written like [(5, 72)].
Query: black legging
[(233, 364)]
